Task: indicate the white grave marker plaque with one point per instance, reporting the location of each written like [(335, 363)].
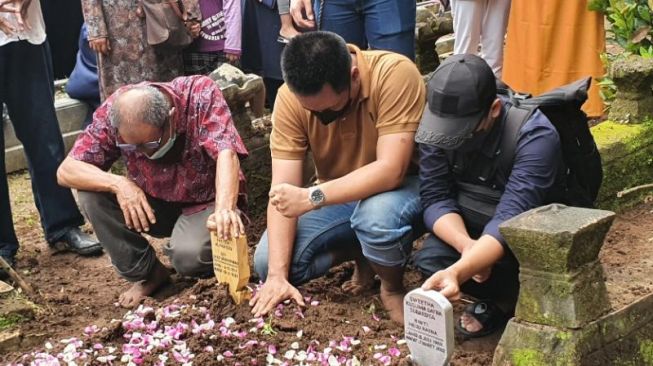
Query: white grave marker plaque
[(428, 319)]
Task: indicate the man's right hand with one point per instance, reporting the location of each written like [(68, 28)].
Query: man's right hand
[(297, 10), (133, 203), (444, 281), (274, 291), (100, 45)]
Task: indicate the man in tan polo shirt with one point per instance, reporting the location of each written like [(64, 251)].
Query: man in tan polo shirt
[(357, 112)]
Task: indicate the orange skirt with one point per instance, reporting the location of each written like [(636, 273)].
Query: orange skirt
[(551, 43)]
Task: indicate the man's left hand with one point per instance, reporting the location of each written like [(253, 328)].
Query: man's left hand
[(289, 200)]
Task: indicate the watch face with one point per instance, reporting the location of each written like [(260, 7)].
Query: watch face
[(317, 196)]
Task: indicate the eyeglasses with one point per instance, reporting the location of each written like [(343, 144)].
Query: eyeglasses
[(146, 145)]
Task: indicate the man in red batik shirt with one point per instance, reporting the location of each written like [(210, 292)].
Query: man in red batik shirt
[(182, 152)]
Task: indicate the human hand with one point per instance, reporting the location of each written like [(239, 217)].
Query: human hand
[(232, 57), (193, 27), (297, 10), (290, 201), (6, 27), (100, 45), (132, 200), (446, 282), (19, 8), (226, 223), (275, 290)]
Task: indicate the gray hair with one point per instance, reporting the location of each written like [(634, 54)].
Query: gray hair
[(152, 107)]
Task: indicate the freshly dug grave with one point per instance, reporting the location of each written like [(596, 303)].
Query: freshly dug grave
[(78, 293)]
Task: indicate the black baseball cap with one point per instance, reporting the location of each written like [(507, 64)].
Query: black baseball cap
[(460, 93)]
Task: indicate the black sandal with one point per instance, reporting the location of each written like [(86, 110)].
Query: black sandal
[(283, 39), (488, 314)]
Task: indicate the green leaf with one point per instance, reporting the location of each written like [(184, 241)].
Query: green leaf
[(644, 13)]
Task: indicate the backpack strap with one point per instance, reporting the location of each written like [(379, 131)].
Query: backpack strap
[(516, 117)]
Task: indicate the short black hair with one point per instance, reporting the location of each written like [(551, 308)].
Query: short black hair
[(313, 59)]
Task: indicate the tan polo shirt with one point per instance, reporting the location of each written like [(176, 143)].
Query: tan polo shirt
[(391, 100)]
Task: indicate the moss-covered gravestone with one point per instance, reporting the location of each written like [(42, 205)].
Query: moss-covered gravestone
[(562, 290), (633, 77), (431, 24)]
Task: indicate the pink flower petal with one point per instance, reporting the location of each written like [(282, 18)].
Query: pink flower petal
[(394, 352)]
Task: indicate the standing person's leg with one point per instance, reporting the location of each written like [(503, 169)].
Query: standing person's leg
[(288, 30), (30, 102), (386, 225), (131, 254), (343, 17), (8, 240), (467, 20), (189, 247), (324, 238), (390, 25), (495, 22)]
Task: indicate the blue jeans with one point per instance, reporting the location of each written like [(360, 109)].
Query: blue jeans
[(26, 86), (383, 24), (383, 226)]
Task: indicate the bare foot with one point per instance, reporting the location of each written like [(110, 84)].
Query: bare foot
[(362, 279), (393, 302), (469, 323), (140, 289), (288, 32)]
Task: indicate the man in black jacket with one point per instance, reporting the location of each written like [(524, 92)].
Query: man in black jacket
[(467, 189)]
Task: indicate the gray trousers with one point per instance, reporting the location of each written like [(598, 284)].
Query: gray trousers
[(284, 6), (189, 247)]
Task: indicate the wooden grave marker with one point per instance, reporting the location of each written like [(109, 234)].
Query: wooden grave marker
[(231, 265)]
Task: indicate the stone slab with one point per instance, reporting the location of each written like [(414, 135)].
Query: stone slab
[(70, 114), (444, 44), (15, 158), (557, 238), (623, 337)]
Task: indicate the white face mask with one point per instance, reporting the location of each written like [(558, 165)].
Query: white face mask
[(164, 149)]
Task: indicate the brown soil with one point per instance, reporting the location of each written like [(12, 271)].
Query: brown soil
[(77, 292), (627, 256)]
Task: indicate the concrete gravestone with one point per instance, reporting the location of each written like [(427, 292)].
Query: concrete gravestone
[(428, 319), (231, 265)]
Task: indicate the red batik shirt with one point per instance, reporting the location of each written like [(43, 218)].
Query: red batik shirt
[(204, 125)]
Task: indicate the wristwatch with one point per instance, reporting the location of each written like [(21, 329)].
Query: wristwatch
[(316, 196)]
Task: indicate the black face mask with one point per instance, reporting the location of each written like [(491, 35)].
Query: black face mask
[(474, 143), (329, 115)]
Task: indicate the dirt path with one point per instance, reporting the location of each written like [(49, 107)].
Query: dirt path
[(78, 292)]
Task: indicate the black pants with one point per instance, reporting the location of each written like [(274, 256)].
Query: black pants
[(26, 87), (502, 285)]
